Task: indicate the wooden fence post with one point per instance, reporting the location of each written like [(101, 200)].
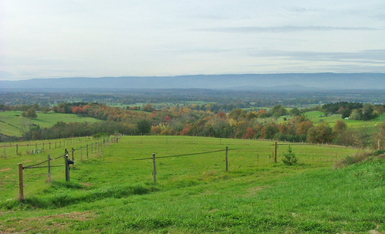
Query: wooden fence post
[(275, 152), (67, 168), (49, 168), (17, 149), (117, 140), (5, 151), (73, 156), (21, 186), (27, 148), (81, 154), (227, 158), (87, 150), (154, 168)]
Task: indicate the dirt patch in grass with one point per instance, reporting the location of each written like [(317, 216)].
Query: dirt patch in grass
[(5, 169)]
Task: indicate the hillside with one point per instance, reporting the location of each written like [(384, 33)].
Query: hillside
[(114, 192), (263, 82), (13, 124)]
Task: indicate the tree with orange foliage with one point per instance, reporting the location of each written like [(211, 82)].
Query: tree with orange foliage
[(249, 134)]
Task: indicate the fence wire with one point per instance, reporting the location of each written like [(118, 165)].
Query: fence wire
[(182, 155)]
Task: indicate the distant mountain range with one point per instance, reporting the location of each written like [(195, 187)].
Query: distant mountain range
[(268, 82)]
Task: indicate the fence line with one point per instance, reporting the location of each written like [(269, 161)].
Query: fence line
[(181, 155)]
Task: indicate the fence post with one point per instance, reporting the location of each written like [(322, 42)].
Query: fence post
[(21, 186), (154, 168), (81, 154), (227, 158), (49, 169), (27, 148), (49, 143), (17, 149), (67, 168), (5, 151), (73, 156), (87, 150), (117, 140), (275, 152)]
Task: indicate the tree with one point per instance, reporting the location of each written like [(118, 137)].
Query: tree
[(148, 107), (321, 133), (294, 112), (289, 157), (30, 113), (143, 126), (249, 134)]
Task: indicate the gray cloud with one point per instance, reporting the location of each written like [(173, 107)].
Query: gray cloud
[(281, 29)]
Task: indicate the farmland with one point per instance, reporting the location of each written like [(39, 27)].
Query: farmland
[(113, 190), (12, 122)]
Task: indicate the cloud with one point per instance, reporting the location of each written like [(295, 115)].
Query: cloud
[(367, 56), (281, 29)]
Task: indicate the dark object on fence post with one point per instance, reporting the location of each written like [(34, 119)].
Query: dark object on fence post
[(275, 152), (73, 156), (154, 168), (49, 169), (227, 158), (17, 148), (67, 168), (21, 186), (87, 150)]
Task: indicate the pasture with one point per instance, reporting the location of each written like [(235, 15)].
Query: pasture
[(13, 124), (113, 190)]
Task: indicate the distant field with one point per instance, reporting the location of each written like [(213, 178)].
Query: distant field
[(11, 122), (315, 117), (114, 192)]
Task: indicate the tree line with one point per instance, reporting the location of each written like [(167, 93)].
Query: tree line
[(238, 123)]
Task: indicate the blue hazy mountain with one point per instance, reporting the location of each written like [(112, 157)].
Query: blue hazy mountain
[(289, 81)]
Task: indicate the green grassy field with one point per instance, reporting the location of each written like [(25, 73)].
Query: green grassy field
[(11, 122), (113, 191), (315, 117)]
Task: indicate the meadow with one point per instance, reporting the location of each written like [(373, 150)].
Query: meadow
[(11, 122), (113, 190)]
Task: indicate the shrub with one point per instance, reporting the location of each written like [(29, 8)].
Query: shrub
[(289, 157)]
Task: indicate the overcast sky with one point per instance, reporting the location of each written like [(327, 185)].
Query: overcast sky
[(84, 38)]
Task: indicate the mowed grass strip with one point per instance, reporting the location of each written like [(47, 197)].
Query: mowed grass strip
[(113, 192)]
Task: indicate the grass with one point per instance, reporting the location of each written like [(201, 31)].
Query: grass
[(11, 122), (316, 117), (114, 191)]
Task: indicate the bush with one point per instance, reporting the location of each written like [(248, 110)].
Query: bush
[(289, 157)]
